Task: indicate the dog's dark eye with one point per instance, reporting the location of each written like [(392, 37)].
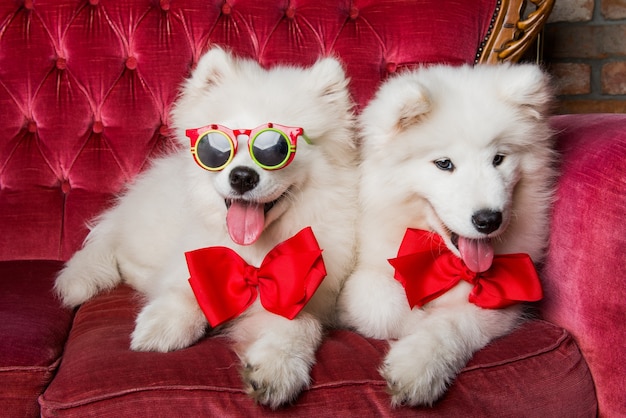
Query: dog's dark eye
[(444, 164), (498, 159)]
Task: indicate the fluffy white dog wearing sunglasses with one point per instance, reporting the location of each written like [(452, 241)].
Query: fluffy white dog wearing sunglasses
[(272, 154)]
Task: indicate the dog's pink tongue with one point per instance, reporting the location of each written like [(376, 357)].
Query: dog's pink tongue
[(477, 254), (245, 222)]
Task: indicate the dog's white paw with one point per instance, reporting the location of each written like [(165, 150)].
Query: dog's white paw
[(275, 376), (277, 360), (72, 290), (163, 325), (418, 370), (85, 275)]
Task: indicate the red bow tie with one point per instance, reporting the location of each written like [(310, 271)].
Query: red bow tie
[(427, 269), (225, 285)]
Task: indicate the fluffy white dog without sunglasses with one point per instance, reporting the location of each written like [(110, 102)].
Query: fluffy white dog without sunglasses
[(466, 153), (176, 206)]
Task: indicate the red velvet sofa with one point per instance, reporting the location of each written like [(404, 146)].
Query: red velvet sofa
[(85, 91)]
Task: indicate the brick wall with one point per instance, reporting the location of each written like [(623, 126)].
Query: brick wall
[(585, 50)]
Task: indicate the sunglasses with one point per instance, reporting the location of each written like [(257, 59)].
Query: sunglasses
[(271, 146)]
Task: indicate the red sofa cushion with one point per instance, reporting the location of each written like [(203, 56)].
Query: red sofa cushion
[(33, 331), (536, 371), (586, 264)]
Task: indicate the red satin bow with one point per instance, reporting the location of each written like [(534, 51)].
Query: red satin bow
[(427, 269), (225, 285)]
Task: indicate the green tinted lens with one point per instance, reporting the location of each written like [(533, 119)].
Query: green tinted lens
[(270, 148)]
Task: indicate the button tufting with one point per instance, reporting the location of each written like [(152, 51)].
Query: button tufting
[(97, 127), (165, 5), (65, 186), (391, 67), (131, 63), (28, 4), (164, 130), (290, 12), (94, 2), (354, 12), (32, 127), (226, 9), (61, 63)]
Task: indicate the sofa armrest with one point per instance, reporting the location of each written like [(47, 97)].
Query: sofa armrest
[(585, 270)]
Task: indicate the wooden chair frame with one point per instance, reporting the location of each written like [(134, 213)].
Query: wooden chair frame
[(512, 32)]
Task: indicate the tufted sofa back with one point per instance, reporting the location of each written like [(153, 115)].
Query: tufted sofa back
[(86, 86)]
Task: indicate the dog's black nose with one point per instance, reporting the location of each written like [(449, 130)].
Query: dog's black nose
[(487, 220), (243, 179)]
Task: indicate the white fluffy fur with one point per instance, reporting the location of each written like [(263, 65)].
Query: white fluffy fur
[(176, 206), (467, 115)]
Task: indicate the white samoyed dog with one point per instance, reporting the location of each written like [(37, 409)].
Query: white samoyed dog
[(464, 153), (178, 206)]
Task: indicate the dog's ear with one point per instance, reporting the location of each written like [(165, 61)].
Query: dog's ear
[(330, 81), (211, 68), (404, 99), (400, 103), (527, 86), (415, 104)]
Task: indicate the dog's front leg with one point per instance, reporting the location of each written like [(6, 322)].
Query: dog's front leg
[(276, 354), (171, 321), (421, 365)]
